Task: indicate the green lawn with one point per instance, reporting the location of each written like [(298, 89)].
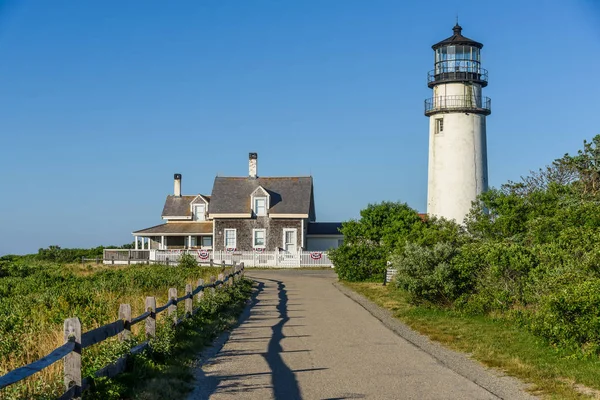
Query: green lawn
[(497, 343)]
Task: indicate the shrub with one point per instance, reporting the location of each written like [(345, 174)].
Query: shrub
[(500, 273), (188, 261), (369, 241), (427, 273), (358, 262), (569, 317)]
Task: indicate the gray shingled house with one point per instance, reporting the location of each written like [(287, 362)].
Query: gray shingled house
[(243, 214)]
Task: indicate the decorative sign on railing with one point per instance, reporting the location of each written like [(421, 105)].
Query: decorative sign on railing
[(203, 254)]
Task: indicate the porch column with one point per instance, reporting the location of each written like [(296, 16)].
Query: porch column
[(136, 243), (162, 242), (190, 242), (143, 241)]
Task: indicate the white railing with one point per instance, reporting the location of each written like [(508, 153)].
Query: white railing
[(271, 259)]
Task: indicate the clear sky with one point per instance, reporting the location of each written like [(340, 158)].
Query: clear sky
[(101, 102)]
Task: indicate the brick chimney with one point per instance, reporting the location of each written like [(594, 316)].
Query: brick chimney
[(177, 190), (253, 159)]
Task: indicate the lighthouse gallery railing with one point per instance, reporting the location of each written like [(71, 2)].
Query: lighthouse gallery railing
[(476, 104)]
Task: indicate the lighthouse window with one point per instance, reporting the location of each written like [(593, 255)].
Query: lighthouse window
[(439, 125)]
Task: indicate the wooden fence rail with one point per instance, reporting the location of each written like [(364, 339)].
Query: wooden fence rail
[(75, 341)]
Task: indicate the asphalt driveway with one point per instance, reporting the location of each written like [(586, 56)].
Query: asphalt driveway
[(302, 338)]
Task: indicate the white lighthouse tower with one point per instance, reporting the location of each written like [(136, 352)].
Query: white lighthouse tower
[(457, 142)]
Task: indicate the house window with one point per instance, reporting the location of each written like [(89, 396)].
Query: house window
[(439, 125), (206, 241), (258, 238), (230, 238), (189, 244), (199, 212), (260, 206)]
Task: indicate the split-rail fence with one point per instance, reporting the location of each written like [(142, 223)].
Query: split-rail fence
[(75, 341)]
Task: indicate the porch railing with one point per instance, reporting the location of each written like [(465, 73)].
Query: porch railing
[(281, 259)]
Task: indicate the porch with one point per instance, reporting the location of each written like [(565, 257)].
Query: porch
[(175, 235)]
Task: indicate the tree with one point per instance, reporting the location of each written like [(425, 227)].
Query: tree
[(369, 241)]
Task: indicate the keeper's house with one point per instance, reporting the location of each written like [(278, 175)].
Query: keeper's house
[(243, 214)]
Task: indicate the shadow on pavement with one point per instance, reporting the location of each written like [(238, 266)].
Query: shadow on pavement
[(284, 383)]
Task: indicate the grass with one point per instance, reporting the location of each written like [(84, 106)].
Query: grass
[(169, 374), (551, 373), (36, 297)]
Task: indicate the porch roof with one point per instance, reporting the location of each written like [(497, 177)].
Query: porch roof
[(178, 228), (324, 228)]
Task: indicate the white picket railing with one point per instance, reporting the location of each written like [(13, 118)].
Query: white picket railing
[(278, 259)]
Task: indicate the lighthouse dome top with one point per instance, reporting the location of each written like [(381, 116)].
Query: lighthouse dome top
[(457, 39)]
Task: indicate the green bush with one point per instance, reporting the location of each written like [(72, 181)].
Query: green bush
[(369, 241), (188, 261), (570, 318), (500, 275), (427, 273), (358, 262)]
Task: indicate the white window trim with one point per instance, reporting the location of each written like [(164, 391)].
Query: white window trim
[(290, 230), (260, 192), (194, 208), (254, 238), (266, 199), (234, 238)]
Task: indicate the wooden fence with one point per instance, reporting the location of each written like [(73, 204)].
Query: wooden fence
[(75, 341)]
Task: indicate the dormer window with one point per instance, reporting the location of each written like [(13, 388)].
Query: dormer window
[(199, 212), (260, 206)]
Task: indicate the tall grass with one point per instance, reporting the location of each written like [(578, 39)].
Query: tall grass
[(36, 297)]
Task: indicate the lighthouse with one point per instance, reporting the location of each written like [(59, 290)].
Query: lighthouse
[(457, 140)]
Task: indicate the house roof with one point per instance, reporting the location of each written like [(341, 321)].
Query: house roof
[(288, 195), (179, 206), (188, 228), (324, 228)]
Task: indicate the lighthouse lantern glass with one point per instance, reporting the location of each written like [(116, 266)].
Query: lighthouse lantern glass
[(457, 59)]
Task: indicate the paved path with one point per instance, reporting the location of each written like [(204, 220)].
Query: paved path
[(304, 339)]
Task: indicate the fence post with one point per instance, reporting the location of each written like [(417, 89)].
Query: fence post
[(212, 289), (125, 315), (172, 310), (243, 267), (167, 260), (200, 293), (113, 260), (72, 363), (233, 273), (189, 302), (151, 320), (223, 265), (212, 262), (221, 277), (81, 260)]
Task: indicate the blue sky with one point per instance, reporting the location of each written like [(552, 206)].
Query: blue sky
[(101, 102)]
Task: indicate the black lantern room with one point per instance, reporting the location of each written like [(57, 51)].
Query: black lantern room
[(457, 59)]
